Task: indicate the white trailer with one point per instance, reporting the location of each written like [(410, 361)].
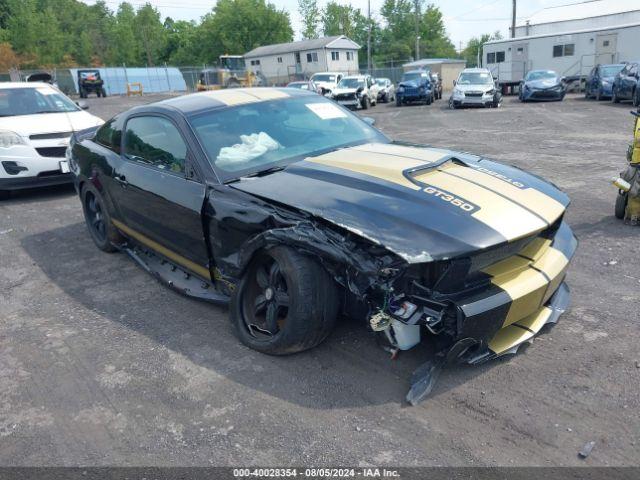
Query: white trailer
[(571, 54)]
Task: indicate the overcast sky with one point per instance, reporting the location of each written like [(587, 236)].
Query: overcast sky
[(463, 18)]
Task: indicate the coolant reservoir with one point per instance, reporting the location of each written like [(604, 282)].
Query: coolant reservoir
[(406, 336)]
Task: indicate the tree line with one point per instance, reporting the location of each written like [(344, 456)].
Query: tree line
[(67, 33)]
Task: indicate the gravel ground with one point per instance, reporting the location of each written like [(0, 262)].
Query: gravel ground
[(101, 365)]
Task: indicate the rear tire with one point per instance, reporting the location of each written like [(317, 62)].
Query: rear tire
[(429, 99), (98, 220), (103, 92), (366, 103), (398, 102), (636, 97), (621, 205), (285, 303)]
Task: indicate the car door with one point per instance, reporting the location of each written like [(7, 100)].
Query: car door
[(591, 82), (160, 197), (628, 80)]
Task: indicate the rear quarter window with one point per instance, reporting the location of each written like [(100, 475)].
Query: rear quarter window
[(109, 135)]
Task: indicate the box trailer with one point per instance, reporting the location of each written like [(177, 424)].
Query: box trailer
[(571, 54)]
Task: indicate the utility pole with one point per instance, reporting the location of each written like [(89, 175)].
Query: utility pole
[(369, 37), (417, 14), (513, 20)]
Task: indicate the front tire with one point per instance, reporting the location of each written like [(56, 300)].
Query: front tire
[(98, 220), (614, 96), (636, 97), (621, 205), (398, 102), (366, 103), (285, 303)]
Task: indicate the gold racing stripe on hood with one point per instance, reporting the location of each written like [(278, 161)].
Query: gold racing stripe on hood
[(374, 164), (505, 216), (239, 96), (542, 204), (426, 155)]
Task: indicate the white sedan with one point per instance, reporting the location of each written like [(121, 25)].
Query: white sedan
[(36, 123)]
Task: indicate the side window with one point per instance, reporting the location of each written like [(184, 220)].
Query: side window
[(109, 135), (155, 141), (491, 57)]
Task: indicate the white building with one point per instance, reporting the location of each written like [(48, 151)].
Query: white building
[(283, 62), (570, 39)]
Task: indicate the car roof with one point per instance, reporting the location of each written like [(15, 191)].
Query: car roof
[(4, 85), (327, 73), (475, 70), (421, 70), (195, 103)]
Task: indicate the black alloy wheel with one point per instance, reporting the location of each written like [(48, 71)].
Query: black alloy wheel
[(98, 220), (266, 302), (285, 302)]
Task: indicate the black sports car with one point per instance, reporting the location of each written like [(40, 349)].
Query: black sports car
[(296, 211)]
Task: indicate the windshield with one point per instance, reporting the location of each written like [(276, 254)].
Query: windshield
[(542, 75), (610, 70), (323, 78), (382, 81), (351, 83), (30, 101), (475, 78), (408, 77), (247, 139)]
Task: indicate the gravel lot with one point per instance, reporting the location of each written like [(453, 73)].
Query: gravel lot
[(101, 365)]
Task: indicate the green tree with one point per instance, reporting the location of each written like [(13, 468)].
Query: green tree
[(473, 50), (310, 14), (237, 26), (150, 33)]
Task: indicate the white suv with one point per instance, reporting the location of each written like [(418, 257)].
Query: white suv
[(357, 91), (36, 123), (326, 81)]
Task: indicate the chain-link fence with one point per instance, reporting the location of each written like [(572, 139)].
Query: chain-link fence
[(167, 79)]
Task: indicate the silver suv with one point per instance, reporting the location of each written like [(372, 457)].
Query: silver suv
[(475, 87)]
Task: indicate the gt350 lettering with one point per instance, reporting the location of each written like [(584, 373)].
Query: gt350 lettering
[(452, 199)]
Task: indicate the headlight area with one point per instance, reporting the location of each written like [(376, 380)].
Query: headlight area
[(9, 139)]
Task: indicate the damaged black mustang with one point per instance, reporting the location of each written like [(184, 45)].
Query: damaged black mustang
[(298, 211)]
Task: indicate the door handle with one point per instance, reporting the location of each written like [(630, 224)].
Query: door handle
[(121, 179)]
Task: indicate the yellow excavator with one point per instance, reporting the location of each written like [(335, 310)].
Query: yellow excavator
[(231, 73)]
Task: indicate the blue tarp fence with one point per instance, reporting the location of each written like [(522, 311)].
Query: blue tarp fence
[(153, 79)]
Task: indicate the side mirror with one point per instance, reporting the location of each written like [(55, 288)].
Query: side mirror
[(454, 83), (83, 105), (360, 89), (369, 120)]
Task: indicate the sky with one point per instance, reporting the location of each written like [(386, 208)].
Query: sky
[(464, 19)]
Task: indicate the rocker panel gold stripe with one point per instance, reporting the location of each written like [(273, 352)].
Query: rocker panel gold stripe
[(171, 255)]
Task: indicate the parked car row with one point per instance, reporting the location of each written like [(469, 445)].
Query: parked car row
[(616, 82)]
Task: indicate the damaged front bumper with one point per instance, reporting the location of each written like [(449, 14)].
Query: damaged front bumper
[(525, 291)]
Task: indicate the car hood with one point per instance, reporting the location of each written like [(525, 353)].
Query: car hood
[(26, 125), (340, 91), (411, 84), (544, 83), (481, 87), (421, 203), (329, 85)]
